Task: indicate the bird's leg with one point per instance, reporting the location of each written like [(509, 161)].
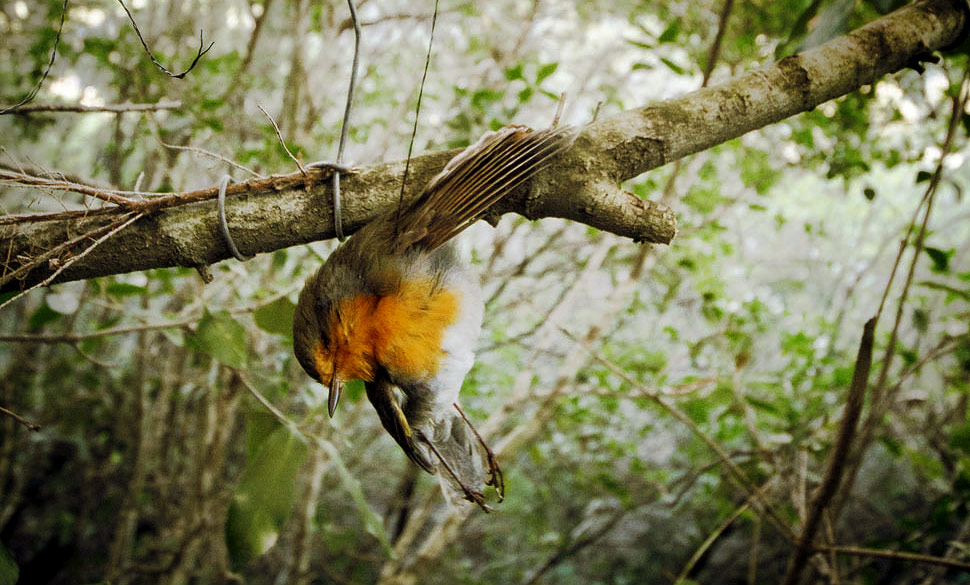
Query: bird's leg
[(495, 477), (471, 495)]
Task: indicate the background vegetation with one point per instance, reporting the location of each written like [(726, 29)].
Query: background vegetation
[(660, 412)]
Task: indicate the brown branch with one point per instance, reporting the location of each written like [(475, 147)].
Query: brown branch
[(881, 396), (837, 461), (74, 338), (56, 251), (714, 51), (710, 540), (151, 56), (110, 230), (208, 153), (582, 185), (279, 136), (108, 195), (82, 109), (892, 555), (576, 546), (30, 426), (738, 474), (33, 92)]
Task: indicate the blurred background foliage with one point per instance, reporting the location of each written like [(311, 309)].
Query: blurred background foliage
[(157, 463)]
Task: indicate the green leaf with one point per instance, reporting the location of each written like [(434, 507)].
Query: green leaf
[(124, 289), (9, 571), (921, 320), (673, 66), (869, 193), (640, 44), (513, 73), (373, 523), (951, 291), (923, 176), (545, 71), (264, 497), (276, 317), (354, 391), (670, 35), (761, 404), (42, 316), (940, 258), (960, 438), (220, 336)]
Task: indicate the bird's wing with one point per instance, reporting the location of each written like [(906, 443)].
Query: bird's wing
[(380, 392), (476, 179)]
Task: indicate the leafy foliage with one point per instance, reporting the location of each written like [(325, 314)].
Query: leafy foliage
[(156, 463)]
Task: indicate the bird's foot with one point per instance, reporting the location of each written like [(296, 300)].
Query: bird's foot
[(496, 478), (471, 494)]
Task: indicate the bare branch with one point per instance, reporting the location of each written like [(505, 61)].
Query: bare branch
[(31, 426), (110, 230), (24, 179), (151, 56), (857, 551), (837, 460), (583, 184), (279, 135), (82, 109), (33, 92)]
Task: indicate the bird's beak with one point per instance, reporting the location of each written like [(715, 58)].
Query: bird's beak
[(336, 387)]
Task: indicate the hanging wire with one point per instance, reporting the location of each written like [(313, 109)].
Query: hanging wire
[(223, 225), (338, 226), (417, 114)]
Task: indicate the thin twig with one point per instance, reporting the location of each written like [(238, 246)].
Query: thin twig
[(709, 541), (82, 109), (736, 472), (714, 52), (837, 460), (115, 227), (279, 135), (211, 154), (33, 92), (417, 111), (266, 403), (576, 546), (181, 75), (108, 195), (55, 251), (154, 202), (858, 551), (31, 426), (124, 330)]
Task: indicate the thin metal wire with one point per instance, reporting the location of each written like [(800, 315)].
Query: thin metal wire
[(338, 226), (417, 114), (223, 226)]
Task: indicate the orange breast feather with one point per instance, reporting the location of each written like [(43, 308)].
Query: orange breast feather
[(401, 332)]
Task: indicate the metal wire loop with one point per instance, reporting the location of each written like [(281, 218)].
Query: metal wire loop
[(223, 226)]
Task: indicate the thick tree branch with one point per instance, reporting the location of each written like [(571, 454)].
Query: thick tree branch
[(583, 184)]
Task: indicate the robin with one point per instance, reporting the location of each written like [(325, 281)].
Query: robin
[(393, 306)]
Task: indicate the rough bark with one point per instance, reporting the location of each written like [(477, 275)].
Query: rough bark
[(584, 184)]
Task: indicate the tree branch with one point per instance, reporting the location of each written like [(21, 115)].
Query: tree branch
[(82, 109), (583, 184)]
